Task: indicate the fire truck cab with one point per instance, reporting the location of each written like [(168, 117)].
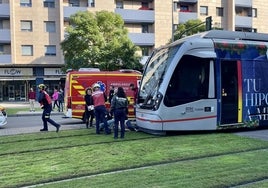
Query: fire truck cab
[(77, 82)]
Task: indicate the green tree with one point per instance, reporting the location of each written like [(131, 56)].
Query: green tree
[(99, 40), (189, 28)]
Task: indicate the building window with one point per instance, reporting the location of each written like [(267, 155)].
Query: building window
[(243, 29), (144, 28), (144, 6), (50, 26), (119, 4), (219, 11), (27, 50), (254, 13), (184, 8), (49, 3), (50, 50), (26, 25), (243, 11), (92, 3), (74, 3), (25, 3), (1, 24), (145, 51), (1, 49), (204, 10), (174, 6)]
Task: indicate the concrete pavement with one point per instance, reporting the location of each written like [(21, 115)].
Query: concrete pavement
[(69, 123), (23, 105), (10, 129)]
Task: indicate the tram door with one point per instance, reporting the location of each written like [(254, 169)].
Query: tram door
[(229, 92)]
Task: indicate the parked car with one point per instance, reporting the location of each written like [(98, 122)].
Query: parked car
[(3, 116)]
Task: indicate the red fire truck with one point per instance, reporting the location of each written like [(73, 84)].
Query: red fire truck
[(77, 82)]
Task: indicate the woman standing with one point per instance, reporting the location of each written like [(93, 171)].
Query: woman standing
[(89, 107), (55, 97), (119, 108)]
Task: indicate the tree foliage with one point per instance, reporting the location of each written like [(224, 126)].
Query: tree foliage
[(99, 40), (189, 28)]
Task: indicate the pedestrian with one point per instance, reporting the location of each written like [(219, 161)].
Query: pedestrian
[(55, 97), (89, 107), (99, 99), (46, 104), (119, 108), (60, 100), (111, 93), (32, 97)]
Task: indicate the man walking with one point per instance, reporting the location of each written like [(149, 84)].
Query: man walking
[(46, 104)]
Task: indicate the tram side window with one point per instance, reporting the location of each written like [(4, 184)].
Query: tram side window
[(189, 81)]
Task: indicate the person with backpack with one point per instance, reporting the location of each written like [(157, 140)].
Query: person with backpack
[(46, 104), (119, 109)]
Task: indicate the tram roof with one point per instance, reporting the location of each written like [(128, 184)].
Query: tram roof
[(222, 34), (235, 35)]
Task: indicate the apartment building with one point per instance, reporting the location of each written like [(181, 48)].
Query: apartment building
[(31, 32)]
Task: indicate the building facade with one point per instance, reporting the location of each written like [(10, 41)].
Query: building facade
[(31, 32)]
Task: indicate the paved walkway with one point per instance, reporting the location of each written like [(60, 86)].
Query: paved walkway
[(67, 123), (74, 123), (24, 104)]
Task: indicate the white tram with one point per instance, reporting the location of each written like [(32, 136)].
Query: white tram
[(208, 81)]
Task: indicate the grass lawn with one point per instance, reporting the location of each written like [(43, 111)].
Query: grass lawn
[(140, 160), (12, 110)]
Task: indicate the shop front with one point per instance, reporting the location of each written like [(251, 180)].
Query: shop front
[(16, 82)]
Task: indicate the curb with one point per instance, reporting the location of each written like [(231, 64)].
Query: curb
[(20, 114)]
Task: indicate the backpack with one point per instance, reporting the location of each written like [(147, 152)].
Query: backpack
[(48, 98)]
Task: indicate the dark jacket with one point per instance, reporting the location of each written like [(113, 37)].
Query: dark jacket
[(88, 100), (118, 103), (111, 94), (61, 96)]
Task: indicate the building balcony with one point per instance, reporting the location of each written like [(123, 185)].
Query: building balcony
[(187, 1), (243, 3), (5, 59), (136, 16), (243, 21), (5, 36), (68, 11), (4, 11), (185, 16), (142, 39)]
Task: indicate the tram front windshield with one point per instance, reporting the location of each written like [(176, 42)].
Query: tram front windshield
[(153, 75)]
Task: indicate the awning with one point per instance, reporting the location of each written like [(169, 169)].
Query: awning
[(15, 78)]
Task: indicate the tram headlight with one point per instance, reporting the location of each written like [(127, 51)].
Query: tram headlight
[(157, 100)]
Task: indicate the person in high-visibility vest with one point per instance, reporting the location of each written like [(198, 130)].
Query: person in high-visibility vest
[(46, 104)]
